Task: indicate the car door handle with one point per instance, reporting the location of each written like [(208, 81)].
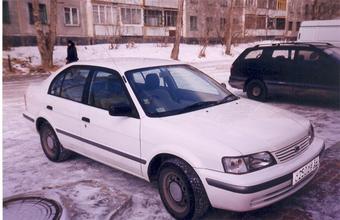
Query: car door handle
[(85, 119), (49, 107)]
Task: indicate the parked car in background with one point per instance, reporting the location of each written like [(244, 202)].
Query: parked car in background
[(326, 31), (287, 68), (169, 123)]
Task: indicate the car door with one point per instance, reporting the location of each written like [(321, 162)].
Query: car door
[(311, 71), (63, 104), (280, 77), (113, 140)]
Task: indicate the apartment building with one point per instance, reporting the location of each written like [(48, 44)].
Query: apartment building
[(18, 25), (92, 21), (95, 21), (303, 10)]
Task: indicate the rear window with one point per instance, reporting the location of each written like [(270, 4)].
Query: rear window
[(334, 52), (254, 54)]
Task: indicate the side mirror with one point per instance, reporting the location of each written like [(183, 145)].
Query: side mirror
[(120, 109), (224, 85)]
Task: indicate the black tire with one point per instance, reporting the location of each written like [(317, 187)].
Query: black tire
[(181, 190), (257, 90), (51, 146)]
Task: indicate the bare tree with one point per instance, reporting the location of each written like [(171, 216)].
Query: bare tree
[(179, 26), (324, 9), (45, 40), (228, 32)]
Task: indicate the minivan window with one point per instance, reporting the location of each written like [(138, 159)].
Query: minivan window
[(254, 54), (281, 54), (334, 52), (73, 83), (308, 55), (106, 90)]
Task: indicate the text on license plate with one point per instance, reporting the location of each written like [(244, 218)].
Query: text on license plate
[(301, 173)]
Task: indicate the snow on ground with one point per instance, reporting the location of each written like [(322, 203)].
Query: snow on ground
[(26, 169), (188, 53)]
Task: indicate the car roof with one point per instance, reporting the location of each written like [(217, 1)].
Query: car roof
[(123, 64), (320, 45)]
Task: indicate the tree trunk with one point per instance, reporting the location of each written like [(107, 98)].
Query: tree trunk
[(45, 41), (229, 30), (179, 25)]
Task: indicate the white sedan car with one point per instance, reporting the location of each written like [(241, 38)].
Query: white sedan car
[(167, 122)]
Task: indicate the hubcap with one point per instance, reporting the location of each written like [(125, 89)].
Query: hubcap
[(50, 142), (256, 91), (175, 191)]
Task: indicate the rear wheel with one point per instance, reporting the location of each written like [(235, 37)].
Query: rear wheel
[(181, 190), (51, 146), (256, 90)]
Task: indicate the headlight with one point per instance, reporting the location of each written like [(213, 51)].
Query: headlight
[(311, 134), (247, 164)]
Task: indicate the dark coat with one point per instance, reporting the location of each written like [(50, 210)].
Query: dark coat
[(72, 55)]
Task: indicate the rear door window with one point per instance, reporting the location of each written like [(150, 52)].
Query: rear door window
[(74, 82)]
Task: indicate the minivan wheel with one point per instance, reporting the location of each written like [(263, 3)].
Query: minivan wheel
[(257, 90), (51, 146), (181, 190)]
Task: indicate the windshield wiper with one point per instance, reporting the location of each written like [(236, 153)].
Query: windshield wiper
[(198, 105), (228, 98)]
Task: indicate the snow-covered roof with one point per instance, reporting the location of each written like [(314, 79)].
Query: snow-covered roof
[(124, 64)]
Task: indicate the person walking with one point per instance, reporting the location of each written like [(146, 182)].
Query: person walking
[(72, 55)]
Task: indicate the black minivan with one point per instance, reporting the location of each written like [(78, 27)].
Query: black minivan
[(287, 68)]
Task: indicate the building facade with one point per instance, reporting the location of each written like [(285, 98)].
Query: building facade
[(303, 10), (94, 21)]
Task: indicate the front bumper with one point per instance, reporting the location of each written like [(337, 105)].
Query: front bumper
[(258, 189)]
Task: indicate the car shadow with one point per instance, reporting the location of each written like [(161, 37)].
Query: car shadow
[(305, 100)]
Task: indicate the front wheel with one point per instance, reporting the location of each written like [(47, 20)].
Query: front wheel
[(256, 90), (181, 190), (51, 146)]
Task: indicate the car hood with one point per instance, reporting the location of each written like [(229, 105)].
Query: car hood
[(244, 125)]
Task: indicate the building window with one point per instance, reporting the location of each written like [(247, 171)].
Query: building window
[(250, 22), (193, 23), (262, 3), (71, 16), (298, 24), (170, 18), (224, 3), (306, 9), (223, 23), (131, 16), (272, 4), (281, 5), (103, 14), (209, 23), (261, 22), (250, 3), (271, 23), (5, 15), (238, 3), (153, 17), (42, 13), (290, 26), (280, 23)]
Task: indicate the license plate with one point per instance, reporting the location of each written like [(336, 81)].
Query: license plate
[(301, 173)]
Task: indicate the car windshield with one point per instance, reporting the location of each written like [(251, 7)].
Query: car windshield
[(334, 52), (176, 89)]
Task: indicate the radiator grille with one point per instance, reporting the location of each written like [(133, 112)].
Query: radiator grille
[(292, 150)]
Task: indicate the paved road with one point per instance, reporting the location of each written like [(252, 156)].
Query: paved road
[(26, 168)]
